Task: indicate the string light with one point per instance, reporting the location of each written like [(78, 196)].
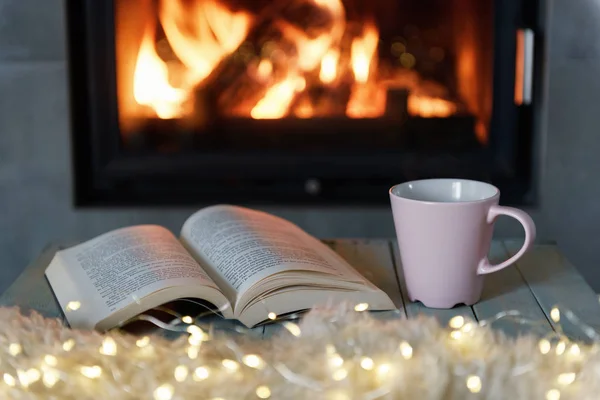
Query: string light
[(544, 346), (555, 314), (560, 348), (68, 345), (143, 342), (109, 347), (253, 361), (456, 322), (361, 307), (272, 316), (293, 328), (383, 370), (456, 335), (340, 374), (192, 352), (553, 394), (92, 372), (164, 392), (230, 365), (335, 360), (73, 306), (187, 319), (14, 349), (468, 327), (575, 350), (263, 392), (566, 378), (406, 350), (180, 373), (50, 378), (474, 383), (50, 360), (9, 379), (367, 363), (201, 373)]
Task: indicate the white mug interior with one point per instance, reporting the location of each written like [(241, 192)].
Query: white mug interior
[(445, 190)]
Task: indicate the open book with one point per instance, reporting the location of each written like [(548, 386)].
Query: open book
[(246, 263)]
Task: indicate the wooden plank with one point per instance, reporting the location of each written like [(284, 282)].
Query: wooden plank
[(414, 309), (373, 259), (506, 290), (555, 282)]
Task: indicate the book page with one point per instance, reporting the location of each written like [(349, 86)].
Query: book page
[(240, 247), (122, 267)]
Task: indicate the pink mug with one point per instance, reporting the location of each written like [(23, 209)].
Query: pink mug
[(444, 229)]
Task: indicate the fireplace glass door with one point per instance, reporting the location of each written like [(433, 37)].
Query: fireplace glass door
[(328, 101)]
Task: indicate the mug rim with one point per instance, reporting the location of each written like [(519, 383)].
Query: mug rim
[(453, 204)]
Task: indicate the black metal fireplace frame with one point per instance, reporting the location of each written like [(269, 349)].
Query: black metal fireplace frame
[(105, 175)]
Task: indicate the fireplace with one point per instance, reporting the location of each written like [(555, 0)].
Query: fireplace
[(298, 101)]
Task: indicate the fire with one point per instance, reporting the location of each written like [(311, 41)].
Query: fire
[(320, 70), (329, 66), (363, 53), (278, 99), (203, 35), (151, 86)]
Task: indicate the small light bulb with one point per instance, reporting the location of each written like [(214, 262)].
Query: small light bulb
[(192, 352), (91, 372), (272, 316), (457, 322), (553, 394), (367, 363), (544, 346), (406, 350), (263, 392), (253, 361), (555, 314), (383, 369), (143, 342), (68, 345), (560, 348), (468, 327), (361, 307), (201, 373), (187, 319), (566, 378), (335, 360), (50, 360), (50, 378), (14, 349), (33, 375), (575, 350), (109, 347), (10, 380), (340, 374), (293, 328), (163, 392), (455, 335), (474, 383), (73, 306), (180, 373), (230, 365)]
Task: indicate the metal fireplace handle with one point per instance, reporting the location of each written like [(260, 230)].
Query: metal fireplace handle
[(524, 66)]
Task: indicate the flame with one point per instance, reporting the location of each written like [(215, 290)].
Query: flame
[(329, 65), (429, 107), (151, 85), (363, 53), (278, 99), (203, 35)]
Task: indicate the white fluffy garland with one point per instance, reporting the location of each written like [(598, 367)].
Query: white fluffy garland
[(333, 354)]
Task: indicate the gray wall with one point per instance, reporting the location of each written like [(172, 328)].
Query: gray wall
[(35, 172)]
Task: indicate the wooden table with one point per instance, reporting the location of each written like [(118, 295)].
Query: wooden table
[(538, 282)]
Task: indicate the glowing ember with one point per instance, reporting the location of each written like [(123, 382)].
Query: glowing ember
[(329, 65), (278, 99), (429, 107)]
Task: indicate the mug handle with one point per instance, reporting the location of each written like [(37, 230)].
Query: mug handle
[(485, 267)]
